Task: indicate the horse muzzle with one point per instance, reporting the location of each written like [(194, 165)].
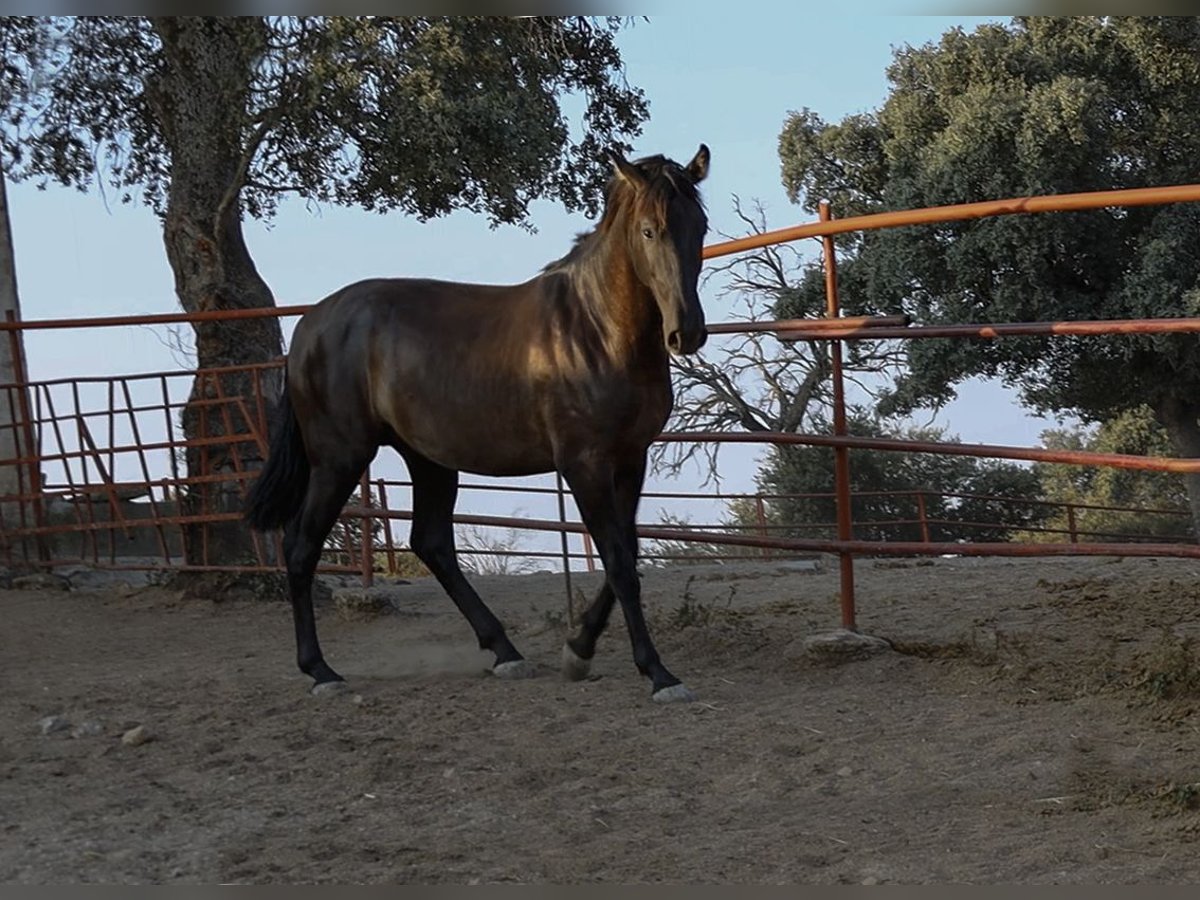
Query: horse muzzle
[(683, 341)]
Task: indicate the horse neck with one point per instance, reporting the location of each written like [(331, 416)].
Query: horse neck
[(619, 306)]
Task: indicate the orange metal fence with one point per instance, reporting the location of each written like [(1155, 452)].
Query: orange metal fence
[(102, 465)]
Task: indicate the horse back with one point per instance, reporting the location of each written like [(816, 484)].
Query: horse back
[(482, 378)]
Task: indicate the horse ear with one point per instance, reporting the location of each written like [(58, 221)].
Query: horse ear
[(697, 169), (624, 169)]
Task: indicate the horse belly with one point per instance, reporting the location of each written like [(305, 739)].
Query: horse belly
[(501, 455), (491, 458), (480, 438)]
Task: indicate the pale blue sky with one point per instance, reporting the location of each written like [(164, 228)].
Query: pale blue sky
[(727, 80)]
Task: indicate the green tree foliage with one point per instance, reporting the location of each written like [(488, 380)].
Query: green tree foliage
[(1143, 501), (1041, 105), (965, 498), (403, 113), (208, 119)]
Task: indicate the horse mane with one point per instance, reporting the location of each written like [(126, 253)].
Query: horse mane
[(665, 180)]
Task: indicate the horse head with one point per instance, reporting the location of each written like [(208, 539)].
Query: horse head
[(665, 226)]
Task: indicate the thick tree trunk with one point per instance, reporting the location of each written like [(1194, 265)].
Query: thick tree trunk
[(201, 98), (15, 479), (1182, 421)]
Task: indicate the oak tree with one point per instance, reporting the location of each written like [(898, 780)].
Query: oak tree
[(212, 119), (1040, 105)]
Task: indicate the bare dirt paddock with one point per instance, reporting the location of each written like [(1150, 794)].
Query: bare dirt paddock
[(1034, 721)]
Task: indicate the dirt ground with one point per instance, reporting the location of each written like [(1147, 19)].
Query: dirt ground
[(1031, 722)]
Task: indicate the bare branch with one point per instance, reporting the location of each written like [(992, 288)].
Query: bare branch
[(752, 381)]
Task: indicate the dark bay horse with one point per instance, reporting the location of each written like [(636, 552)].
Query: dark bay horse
[(568, 371)]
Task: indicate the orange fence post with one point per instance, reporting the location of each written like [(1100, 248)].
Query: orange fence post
[(761, 511), (923, 517), (841, 454), (388, 543), (587, 551), (368, 539), (566, 549)]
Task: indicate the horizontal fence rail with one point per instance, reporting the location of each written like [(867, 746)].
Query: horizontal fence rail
[(990, 451), (937, 215)]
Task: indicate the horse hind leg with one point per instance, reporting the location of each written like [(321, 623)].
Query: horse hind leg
[(328, 490), (435, 490), (577, 651)]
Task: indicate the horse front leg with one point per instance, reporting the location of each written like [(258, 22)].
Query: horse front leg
[(593, 483), (579, 650)]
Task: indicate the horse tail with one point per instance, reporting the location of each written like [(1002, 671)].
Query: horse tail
[(275, 498)]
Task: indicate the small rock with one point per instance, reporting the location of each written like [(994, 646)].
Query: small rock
[(801, 565), (845, 772), (52, 724), (41, 581), (87, 729), (840, 645), (902, 563), (86, 578), (136, 736), (222, 587), (358, 604), (870, 879)]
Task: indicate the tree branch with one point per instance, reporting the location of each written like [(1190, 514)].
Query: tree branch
[(234, 190)]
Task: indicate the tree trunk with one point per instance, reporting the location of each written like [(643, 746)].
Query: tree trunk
[(15, 479), (1182, 421), (201, 97)]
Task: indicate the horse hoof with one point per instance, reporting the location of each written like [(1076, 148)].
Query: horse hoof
[(574, 666), (329, 689), (517, 668), (676, 693)]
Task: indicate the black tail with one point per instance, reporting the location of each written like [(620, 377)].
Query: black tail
[(275, 498)]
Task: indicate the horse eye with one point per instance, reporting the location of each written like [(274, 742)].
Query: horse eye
[(648, 233)]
